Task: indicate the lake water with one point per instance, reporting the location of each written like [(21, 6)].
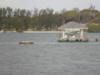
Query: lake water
[(47, 56)]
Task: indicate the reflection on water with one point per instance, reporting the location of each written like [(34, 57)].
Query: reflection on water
[(47, 56)]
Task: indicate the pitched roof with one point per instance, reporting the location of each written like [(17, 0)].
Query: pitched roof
[(73, 24)]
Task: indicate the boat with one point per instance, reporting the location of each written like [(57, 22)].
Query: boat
[(26, 42)]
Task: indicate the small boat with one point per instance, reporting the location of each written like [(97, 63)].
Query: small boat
[(26, 42)]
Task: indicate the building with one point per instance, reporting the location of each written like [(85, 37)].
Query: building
[(72, 31)]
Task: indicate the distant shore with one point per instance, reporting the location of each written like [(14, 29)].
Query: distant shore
[(33, 31), (41, 31)]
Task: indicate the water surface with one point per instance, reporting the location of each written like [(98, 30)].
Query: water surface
[(47, 56)]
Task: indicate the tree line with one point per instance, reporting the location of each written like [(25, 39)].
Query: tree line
[(46, 19)]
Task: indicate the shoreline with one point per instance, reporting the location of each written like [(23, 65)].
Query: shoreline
[(38, 32), (41, 31), (32, 31)]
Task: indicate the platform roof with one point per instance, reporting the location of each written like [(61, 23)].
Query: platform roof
[(73, 25)]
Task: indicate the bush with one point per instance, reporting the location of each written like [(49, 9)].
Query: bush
[(94, 27)]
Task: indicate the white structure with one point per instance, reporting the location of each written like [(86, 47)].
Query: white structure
[(72, 31)]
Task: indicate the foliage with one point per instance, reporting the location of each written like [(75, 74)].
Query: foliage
[(46, 19), (94, 27)]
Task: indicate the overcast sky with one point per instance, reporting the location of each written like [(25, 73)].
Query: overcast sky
[(55, 4)]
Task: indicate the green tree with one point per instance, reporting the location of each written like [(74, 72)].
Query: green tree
[(71, 15)]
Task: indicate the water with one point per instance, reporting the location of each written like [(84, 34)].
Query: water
[(47, 56)]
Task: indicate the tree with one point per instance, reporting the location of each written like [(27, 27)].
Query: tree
[(88, 15), (71, 15)]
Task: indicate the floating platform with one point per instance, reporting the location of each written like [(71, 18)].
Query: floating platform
[(73, 40), (25, 42)]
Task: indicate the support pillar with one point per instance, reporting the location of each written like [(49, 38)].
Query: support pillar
[(82, 34), (63, 34)]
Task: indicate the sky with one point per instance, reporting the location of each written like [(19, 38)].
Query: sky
[(57, 5)]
